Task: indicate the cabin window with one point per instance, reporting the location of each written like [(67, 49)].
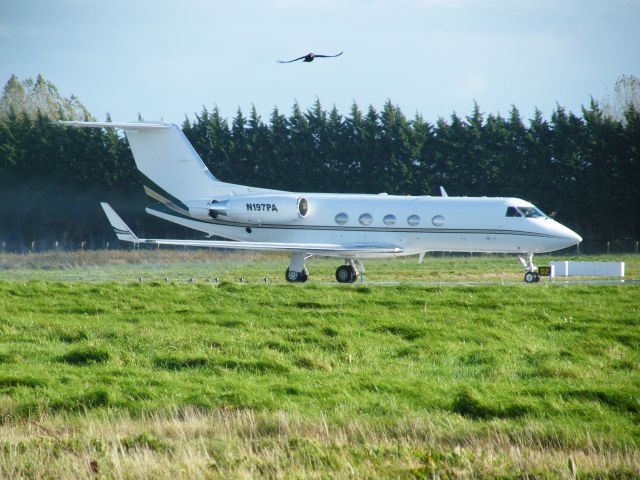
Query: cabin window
[(413, 220), (303, 206), (513, 212), (438, 220), (389, 219), (365, 219), (342, 218)]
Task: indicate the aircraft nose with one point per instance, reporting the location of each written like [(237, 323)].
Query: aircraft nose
[(571, 237), (577, 237)]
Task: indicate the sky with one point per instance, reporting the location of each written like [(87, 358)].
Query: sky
[(169, 59)]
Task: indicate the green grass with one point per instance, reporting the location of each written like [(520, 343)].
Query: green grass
[(316, 380)]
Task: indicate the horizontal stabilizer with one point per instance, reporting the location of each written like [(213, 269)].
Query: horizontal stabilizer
[(123, 125)]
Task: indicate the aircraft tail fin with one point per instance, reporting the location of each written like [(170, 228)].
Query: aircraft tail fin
[(165, 156), (122, 231)]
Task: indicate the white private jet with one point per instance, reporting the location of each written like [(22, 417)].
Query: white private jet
[(348, 226)]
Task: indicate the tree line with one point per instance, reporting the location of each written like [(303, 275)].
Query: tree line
[(583, 167)]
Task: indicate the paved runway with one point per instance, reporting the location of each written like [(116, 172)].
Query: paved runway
[(542, 282)]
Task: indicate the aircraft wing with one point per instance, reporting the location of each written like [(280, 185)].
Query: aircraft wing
[(123, 232)]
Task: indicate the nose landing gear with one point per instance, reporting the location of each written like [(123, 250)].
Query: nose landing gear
[(532, 275)]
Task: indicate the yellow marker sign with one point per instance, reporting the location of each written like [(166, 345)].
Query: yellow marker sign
[(544, 271)]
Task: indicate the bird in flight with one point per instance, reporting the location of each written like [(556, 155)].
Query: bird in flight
[(309, 57)]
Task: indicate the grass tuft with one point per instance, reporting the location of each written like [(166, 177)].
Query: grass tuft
[(408, 332), (11, 381), (255, 366), (85, 355), (620, 400), (180, 363), (6, 358), (145, 441), (468, 404), (73, 336), (309, 305), (312, 363)]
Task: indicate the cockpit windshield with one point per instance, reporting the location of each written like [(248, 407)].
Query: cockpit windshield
[(513, 212), (527, 212)]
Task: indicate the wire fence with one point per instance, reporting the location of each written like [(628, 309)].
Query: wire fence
[(590, 247)]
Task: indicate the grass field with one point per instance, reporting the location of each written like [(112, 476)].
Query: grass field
[(114, 377)]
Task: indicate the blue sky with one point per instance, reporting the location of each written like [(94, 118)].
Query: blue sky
[(166, 59)]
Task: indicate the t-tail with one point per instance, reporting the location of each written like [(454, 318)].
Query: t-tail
[(175, 175)]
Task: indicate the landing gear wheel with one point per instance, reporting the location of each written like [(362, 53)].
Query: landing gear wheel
[(536, 277), (530, 277), (296, 277), (346, 274), (292, 276)]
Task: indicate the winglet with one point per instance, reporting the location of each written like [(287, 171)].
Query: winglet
[(122, 231), (443, 192)]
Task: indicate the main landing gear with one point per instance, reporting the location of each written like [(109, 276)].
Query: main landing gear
[(298, 273), (532, 275), (348, 273), (292, 276)]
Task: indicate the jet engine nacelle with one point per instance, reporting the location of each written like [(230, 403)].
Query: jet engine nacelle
[(254, 209)]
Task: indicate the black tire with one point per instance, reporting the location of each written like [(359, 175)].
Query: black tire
[(536, 277), (345, 274), (529, 277), (292, 276), (304, 276)]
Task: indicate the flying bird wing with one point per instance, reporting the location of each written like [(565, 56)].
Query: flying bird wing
[(294, 60), (329, 56)]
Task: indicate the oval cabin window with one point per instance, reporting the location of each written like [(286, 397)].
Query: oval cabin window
[(365, 219), (438, 220), (342, 218), (303, 206), (413, 220), (389, 219)]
